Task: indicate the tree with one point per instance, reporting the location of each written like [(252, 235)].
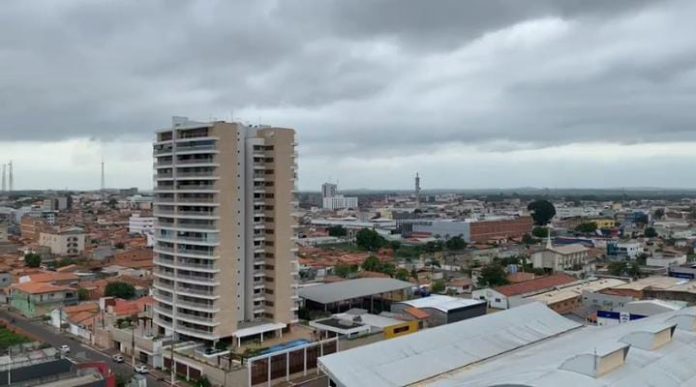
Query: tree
[(433, 247), (455, 243), (617, 268), (633, 270), (345, 271), (32, 260), (402, 274), (650, 232), (587, 227), (372, 263), (120, 290), (388, 268), (492, 275), (337, 231), (395, 245), (542, 211), (541, 232), (527, 239), (438, 286), (83, 294), (659, 213), (369, 240)]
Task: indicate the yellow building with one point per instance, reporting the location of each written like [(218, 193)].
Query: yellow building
[(604, 223)]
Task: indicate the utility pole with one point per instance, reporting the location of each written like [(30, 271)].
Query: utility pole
[(133, 344), (171, 362)]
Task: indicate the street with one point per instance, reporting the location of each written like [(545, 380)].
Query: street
[(78, 351)]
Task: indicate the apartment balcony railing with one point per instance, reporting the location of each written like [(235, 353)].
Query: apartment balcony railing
[(162, 151), (197, 200), (198, 253), (194, 148), (196, 187), (164, 249), (204, 175), (197, 226), (193, 330), (198, 305), (198, 278), (198, 213), (195, 161), (199, 292), (197, 266), (195, 318)]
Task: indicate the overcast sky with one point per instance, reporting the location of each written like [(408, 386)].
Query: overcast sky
[(471, 94)]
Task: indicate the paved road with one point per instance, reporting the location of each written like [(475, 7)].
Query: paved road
[(78, 351)]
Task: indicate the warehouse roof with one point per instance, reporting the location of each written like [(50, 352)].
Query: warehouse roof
[(575, 290), (654, 353), (419, 356), (535, 285), (346, 290), (442, 303)]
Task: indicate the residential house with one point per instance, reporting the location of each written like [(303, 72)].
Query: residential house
[(34, 299), (508, 296)]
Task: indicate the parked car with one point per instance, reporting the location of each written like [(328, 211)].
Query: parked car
[(142, 369), (117, 358), (64, 348)]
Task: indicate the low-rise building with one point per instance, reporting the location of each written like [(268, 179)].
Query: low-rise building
[(567, 299), (141, 224), (561, 258), (508, 296), (619, 251), (34, 299), (69, 242), (443, 309)]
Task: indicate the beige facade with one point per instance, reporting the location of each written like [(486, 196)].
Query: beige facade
[(68, 242), (224, 251)]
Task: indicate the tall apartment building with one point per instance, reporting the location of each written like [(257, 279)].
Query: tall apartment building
[(224, 255), (331, 200), (329, 190)]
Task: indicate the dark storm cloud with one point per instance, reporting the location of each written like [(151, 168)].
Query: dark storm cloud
[(353, 76)]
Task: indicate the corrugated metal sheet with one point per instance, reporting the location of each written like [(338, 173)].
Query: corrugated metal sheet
[(539, 365), (346, 290), (428, 353)]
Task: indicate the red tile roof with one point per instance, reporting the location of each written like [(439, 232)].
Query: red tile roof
[(420, 314), (53, 277), (535, 285), (39, 288)]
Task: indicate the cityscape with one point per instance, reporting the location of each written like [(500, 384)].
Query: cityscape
[(334, 194)]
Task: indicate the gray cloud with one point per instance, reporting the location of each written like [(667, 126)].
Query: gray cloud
[(387, 75)]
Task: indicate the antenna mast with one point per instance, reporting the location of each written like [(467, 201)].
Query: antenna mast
[(11, 185), (102, 176)]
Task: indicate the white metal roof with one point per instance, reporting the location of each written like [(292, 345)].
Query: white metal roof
[(346, 290), (441, 302), (258, 329), (409, 359), (540, 365)]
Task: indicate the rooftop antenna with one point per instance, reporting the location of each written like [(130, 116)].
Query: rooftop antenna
[(11, 183), (102, 176)]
